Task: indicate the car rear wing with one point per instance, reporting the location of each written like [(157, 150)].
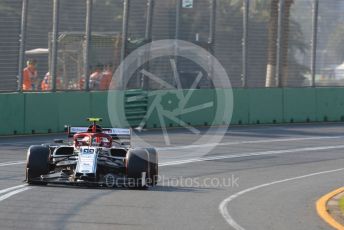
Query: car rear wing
[(120, 135)]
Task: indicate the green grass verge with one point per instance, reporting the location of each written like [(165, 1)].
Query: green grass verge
[(341, 204)]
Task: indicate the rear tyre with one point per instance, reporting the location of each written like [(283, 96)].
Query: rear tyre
[(137, 167), (153, 167), (37, 164)]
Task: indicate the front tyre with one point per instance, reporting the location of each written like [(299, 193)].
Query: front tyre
[(137, 163), (153, 166), (37, 164)]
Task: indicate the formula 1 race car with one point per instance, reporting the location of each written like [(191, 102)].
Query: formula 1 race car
[(95, 157)]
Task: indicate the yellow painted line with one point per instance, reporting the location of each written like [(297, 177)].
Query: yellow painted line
[(322, 210)]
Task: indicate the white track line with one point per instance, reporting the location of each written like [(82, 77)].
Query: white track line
[(12, 163), (12, 188), (8, 195), (8, 192), (248, 142), (241, 155), (223, 207)]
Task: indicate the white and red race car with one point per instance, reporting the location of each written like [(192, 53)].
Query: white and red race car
[(94, 157)]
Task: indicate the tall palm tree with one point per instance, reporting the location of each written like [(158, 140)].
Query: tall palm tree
[(272, 48)]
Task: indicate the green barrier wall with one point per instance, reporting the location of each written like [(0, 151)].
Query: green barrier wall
[(168, 104), (73, 108), (163, 103), (98, 107), (203, 100), (12, 113), (116, 105), (300, 105), (240, 107), (28, 113), (265, 106), (330, 104), (41, 113)]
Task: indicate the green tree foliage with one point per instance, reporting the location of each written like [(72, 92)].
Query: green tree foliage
[(335, 44), (262, 14)]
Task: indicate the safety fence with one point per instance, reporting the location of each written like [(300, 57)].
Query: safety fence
[(260, 43)]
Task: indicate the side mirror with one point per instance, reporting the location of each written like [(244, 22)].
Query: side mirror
[(58, 141)]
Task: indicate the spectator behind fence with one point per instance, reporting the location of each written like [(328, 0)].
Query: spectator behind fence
[(82, 82), (106, 78), (96, 77), (30, 75), (46, 83)]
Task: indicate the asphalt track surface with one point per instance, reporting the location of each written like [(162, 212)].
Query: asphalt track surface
[(277, 173)]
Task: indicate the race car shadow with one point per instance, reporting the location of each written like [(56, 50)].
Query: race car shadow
[(161, 188), (157, 188)]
